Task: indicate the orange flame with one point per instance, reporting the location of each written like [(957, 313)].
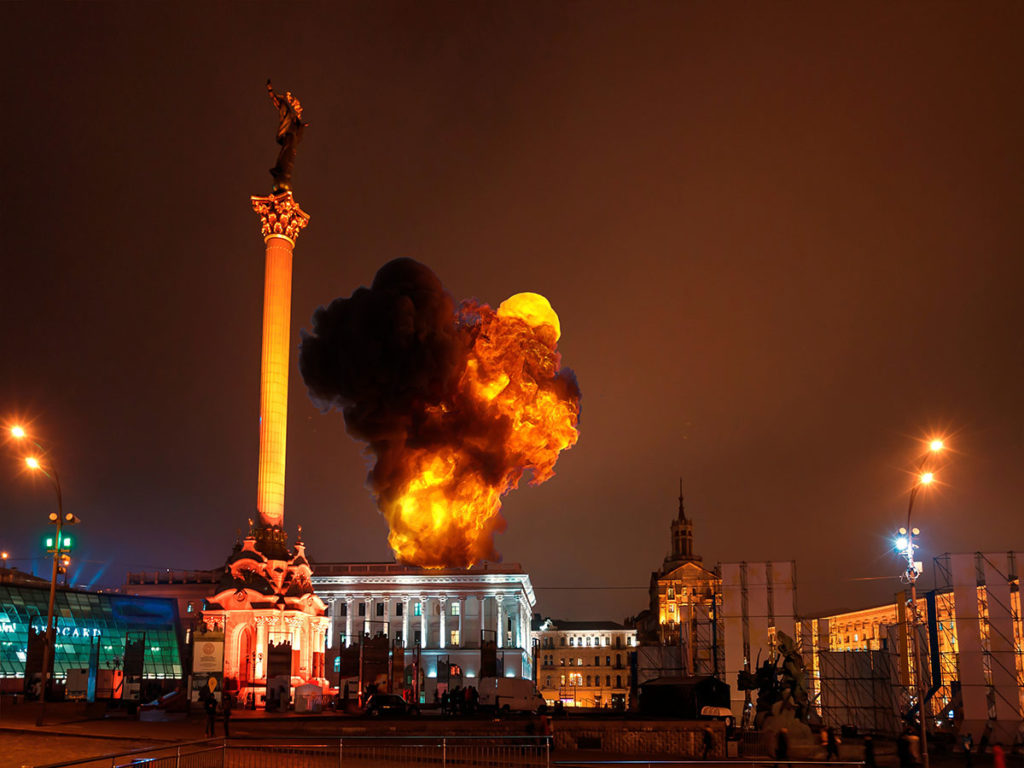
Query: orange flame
[(516, 411)]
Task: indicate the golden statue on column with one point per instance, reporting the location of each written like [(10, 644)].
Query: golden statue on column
[(274, 626)]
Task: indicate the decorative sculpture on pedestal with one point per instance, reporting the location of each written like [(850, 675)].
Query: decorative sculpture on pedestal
[(265, 594)]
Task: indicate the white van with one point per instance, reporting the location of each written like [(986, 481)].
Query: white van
[(510, 694)]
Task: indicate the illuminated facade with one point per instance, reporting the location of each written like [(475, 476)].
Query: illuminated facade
[(682, 598), (584, 663), (970, 639), (447, 613), (86, 623)]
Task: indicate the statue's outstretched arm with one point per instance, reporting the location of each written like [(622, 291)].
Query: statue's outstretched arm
[(273, 96)]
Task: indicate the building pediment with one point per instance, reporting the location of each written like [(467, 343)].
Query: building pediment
[(687, 572)]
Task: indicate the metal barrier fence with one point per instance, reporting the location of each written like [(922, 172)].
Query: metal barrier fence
[(730, 763), (354, 751)]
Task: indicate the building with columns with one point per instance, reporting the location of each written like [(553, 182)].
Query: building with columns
[(447, 613)]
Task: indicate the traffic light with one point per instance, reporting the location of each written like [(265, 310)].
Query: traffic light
[(66, 542)]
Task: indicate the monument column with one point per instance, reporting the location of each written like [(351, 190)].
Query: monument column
[(367, 614), (281, 220), (387, 616)]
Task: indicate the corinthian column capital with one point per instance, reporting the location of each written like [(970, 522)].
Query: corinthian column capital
[(280, 216)]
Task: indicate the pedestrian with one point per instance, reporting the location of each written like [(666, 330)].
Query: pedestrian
[(998, 756), (914, 748), (869, 752), (226, 705), (832, 749), (782, 747), (210, 707), (967, 741), (709, 742), (903, 750)]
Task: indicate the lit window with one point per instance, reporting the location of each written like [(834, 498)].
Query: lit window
[(561, 680), (455, 637), (579, 661), (455, 609), (417, 610), (588, 642), (572, 641)]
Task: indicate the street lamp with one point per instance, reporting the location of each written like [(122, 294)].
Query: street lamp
[(59, 519), (905, 544)]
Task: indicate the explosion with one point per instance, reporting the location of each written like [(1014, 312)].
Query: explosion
[(455, 405)]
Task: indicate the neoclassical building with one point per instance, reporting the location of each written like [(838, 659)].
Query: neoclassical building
[(584, 663), (446, 613)]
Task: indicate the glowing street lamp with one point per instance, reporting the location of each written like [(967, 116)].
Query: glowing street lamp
[(906, 547), (59, 519)]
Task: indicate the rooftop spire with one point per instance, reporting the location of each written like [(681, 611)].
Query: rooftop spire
[(682, 509)]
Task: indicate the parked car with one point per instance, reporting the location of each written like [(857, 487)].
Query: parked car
[(388, 704), (510, 694)]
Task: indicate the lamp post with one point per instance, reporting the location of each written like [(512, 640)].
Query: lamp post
[(58, 518), (907, 546)]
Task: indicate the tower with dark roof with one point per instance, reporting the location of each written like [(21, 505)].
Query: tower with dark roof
[(682, 538)]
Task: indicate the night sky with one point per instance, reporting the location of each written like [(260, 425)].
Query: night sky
[(784, 241)]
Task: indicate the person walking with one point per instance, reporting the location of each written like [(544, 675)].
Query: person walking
[(998, 756), (210, 707), (914, 748), (903, 750), (968, 744), (832, 747), (782, 748), (869, 752)]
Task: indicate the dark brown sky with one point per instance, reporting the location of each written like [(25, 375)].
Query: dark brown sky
[(784, 241)]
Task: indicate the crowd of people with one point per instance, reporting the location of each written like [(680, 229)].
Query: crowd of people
[(458, 701)]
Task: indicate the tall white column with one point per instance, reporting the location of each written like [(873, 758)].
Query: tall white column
[(524, 626), (442, 640), (405, 622), (424, 608), (387, 617), (349, 605), (499, 620), (368, 610)]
